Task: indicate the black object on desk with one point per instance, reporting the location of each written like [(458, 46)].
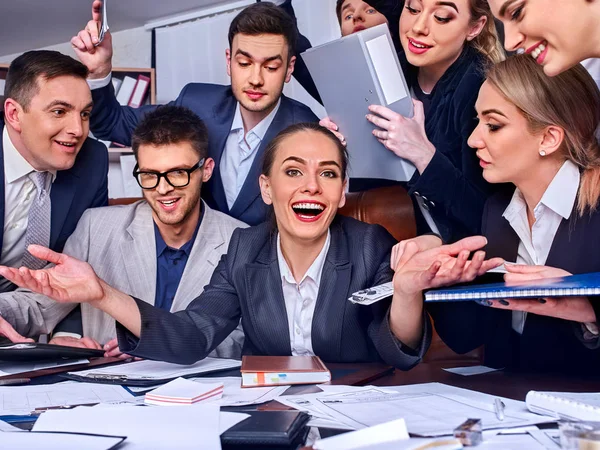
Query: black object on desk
[(28, 352), (268, 430)]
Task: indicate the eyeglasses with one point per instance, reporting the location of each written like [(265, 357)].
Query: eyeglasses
[(177, 177)]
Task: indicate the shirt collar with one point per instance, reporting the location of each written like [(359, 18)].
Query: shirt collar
[(560, 195), (314, 271), (261, 128), (15, 166), (161, 245)]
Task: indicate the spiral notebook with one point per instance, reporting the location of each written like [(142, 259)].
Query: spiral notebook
[(574, 285), (565, 405)]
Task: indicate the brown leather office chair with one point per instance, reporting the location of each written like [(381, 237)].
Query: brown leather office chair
[(392, 208)]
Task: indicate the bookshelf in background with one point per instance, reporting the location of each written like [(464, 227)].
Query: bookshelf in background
[(3, 72)]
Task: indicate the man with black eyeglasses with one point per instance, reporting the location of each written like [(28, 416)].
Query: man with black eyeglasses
[(162, 249)]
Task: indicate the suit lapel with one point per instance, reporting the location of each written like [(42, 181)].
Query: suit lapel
[(139, 255), (266, 304), (61, 197), (223, 119), (202, 262), (328, 319), (251, 189)]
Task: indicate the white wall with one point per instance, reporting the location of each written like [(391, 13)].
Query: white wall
[(132, 48)]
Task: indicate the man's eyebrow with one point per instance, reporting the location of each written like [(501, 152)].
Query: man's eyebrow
[(60, 103), (487, 112), (346, 6), (450, 4), (505, 6), (249, 56)]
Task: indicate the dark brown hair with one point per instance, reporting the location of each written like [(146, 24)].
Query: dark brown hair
[(271, 150), (265, 18), (171, 125), (24, 72)]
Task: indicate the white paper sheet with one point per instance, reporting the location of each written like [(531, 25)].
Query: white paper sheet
[(19, 400), (472, 370), (430, 409), (158, 370), (58, 441), (379, 434), (13, 368), (230, 419), (146, 427), (8, 427)]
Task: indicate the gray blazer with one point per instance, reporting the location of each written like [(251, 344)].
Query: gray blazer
[(118, 242)]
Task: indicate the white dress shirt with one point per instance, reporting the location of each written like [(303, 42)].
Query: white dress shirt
[(301, 299), (19, 193), (240, 151), (535, 243)]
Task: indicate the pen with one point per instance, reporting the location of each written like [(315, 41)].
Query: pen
[(12, 381), (499, 408)]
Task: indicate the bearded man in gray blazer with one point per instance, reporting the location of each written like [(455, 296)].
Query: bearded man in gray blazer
[(162, 249)]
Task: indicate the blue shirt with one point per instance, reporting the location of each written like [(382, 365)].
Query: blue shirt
[(170, 264)]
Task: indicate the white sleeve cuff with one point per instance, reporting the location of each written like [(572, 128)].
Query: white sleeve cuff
[(66, 334), (100, 82)]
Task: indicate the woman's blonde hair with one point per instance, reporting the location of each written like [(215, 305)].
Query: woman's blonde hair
[(487, 42), (570, 100)]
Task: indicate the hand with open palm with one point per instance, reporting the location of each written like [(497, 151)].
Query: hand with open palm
[(441, 266), (68, 281)]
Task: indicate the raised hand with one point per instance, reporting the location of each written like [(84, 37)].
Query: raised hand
[(69, 281), (401, 254), (98, 59), (404, 136), (441, 266), (331, 126), (7, 330)]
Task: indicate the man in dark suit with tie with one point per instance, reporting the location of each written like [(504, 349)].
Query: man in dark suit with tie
[(241, 118), (51, 171)]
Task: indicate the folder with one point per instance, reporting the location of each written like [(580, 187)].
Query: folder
[(42, 352), (139, 92), (575, 285), (283, 370), (351, 73), (126, 90), (268, 429)]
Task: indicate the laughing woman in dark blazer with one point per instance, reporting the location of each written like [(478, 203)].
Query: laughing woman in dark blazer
[(537, 133), (288, 281)]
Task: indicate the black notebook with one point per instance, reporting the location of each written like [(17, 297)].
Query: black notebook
[(28, 352), (267, 430)]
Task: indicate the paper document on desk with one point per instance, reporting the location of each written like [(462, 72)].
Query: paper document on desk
[(22, 400), (153, 372), (146, 427), (430, 409)]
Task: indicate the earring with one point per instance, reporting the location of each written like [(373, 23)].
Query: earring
[(542, 153)]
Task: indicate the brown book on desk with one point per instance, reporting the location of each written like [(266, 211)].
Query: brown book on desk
[(283, 370)]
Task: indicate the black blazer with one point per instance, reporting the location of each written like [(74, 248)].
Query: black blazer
[(83, 186), (452, 185), (247, 284), (215, 105), (547, 344)]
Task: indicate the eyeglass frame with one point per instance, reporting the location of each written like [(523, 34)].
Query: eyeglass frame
[(160, 175)]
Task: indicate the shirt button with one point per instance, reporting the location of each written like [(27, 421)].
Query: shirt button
[(298, 331), (175, 262)]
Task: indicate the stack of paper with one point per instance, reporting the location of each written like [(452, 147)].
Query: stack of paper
[(183, 392)]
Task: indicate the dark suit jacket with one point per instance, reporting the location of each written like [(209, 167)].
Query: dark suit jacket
[(452, 185), (247, 284), (215, 105), (547, 344), (83, 186)]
